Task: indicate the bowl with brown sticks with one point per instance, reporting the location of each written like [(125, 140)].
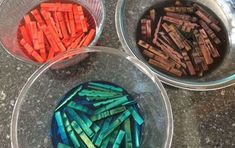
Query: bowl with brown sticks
[(189, 44)]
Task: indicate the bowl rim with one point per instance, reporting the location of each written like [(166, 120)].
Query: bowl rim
[(93, 43), (139, 64), (187, 85)]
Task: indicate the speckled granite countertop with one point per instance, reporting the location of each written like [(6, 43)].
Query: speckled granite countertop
[(201, 119)]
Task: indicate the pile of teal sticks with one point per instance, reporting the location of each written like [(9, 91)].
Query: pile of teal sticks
[(97, 114)]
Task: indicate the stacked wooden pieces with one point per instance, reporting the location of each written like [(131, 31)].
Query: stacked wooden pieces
[(182, 41), (52, 28)]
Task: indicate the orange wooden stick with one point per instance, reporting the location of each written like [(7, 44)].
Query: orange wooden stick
[(37, 57), (49, 20), (37, 16), (82, 19), (51, 54), (76, 42), (62, 25), (52, 31), (42, 45), (84, 25), (31, 51), (25, 34), (50, 6), (52, 21), (27, 21), (90, 37), (72, 24), (49, 37), (77, 18), (65, 7), (69, 42), (34, 32), (57, 25), (82, 41), (66, 16), (57, 39)]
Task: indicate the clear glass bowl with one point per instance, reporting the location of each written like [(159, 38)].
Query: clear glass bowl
[(12, 11), (129, 12), (31, 119)]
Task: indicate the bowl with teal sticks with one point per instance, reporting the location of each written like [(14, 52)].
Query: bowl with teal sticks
[(103, 98)]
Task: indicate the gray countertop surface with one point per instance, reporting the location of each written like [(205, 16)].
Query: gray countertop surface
[(201, 119)]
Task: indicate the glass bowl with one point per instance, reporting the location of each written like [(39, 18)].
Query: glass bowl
[(12, 11), (129, 12), (31, 119)]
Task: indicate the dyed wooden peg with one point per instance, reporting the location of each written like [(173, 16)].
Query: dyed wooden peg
[(120, 119), (51, 54), (128, 136), (136, 135), (111, 105), (61, 145), (65, 7), (49, 37), (25, 34), (104, 126), (107, 114), (130, 103), (34, 32), (157, 31), (66, 16), (119, 139), (96, 93), (27, 47), (82, 41), (37, 16), (105, 142), (31, 51), (50, 6), (48, 18), (136, 116), (57, 24), (82, 135), (37, 57), (74, 116), (90, 37), (76, 42), (70, 131), (77, 18), (153, 14), (82, 18), (79, 107), (62, 25), (113, 137), (69, 98), (100, 89), (61, 128), (42, 45), (101, 103), (86, 119), (27, 21), (72, 24), (95, 128), (113, 88)]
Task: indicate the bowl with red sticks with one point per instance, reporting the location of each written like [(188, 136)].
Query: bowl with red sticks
[(188, 44), (37, 31)]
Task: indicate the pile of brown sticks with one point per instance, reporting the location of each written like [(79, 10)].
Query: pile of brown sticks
[(183, 41)]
